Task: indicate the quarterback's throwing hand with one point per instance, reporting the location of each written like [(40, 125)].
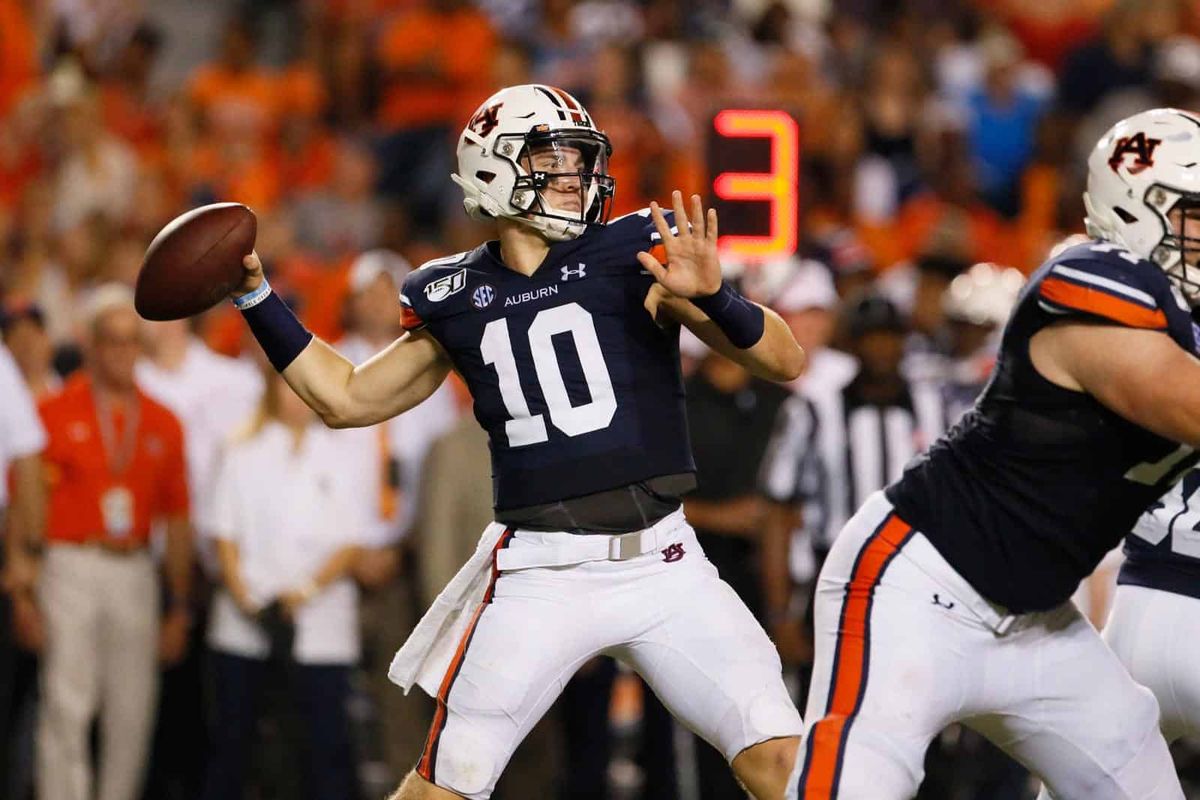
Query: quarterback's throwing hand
[(692, 268), (252, 275)]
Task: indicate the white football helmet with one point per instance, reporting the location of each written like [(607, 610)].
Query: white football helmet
[(496, 173), (1142, 168)]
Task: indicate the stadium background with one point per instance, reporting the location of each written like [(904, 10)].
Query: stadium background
[(910, 140)]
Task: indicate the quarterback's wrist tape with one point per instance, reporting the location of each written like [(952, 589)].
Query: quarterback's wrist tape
[(276, 328), (740, 320), (251, 299)]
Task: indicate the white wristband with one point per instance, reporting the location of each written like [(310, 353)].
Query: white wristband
[(253, 298)]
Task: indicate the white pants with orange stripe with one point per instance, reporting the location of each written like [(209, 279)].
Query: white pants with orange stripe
[(905, 647), (666, 613)]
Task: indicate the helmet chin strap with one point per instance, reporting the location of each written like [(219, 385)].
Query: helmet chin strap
[(555, 229)]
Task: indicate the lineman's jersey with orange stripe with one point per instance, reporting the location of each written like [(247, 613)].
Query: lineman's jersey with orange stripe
[(945, 598), (1037, 483)]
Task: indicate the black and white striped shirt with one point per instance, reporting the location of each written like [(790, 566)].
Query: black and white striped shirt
[(832, 448)]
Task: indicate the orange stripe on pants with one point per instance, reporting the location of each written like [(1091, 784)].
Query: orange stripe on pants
[(429, 754), (826, 742)]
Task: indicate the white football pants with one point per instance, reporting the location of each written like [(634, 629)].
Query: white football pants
[(905, 647), (666, 613)]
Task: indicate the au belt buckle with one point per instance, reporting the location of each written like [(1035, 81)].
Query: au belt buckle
[(626, 546)]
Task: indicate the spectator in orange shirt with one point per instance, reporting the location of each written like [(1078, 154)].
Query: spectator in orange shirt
[(234, 98), (115, 465), (18, 55), (130, 110), (435, 62)]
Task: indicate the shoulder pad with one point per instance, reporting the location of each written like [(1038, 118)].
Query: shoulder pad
[(433, 281), (1100, 279), (639, 231)]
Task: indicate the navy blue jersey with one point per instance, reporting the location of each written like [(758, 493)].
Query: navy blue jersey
[(1035, 484), (1163, 550), (578, 388)]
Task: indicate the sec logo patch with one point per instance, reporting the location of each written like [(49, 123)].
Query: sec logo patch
[(483, 296)]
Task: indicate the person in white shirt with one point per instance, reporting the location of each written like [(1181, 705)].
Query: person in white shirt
[(288, 514), (211, 394), (22, 439), (399, 449), (373, 322)]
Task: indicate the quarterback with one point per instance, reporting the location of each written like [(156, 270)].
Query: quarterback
[(946, 597), (565, 329)]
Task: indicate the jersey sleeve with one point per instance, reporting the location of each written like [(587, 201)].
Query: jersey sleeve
[(652, 240), (1110, 285), (426, 289), (411, 318), (636, 232)]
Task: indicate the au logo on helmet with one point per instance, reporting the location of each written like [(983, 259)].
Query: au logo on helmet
[(485, 120), (1138, 145)]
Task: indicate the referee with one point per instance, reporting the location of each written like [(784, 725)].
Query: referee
[(832, 448)]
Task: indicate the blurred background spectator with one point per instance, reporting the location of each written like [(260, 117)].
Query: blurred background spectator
[(22, 516), (115, 466), (290, 507), (932, 136)]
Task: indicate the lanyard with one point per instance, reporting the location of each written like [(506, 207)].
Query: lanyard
[(118, 456)]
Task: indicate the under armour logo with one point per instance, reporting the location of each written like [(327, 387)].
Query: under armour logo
[(672, 552), (937, 602), (569, 273)]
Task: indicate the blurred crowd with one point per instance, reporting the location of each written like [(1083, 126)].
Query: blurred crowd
[(943, 145)]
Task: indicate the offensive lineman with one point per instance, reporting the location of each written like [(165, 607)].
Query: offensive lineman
[(579, 389), (946, 597), (1157, 601)]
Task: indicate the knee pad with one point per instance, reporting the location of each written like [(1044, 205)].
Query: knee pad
[(467, 764)]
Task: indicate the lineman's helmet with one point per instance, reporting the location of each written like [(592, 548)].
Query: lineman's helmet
[(1145, 166)]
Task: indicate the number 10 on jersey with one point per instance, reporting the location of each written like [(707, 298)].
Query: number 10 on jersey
[(524, 428)]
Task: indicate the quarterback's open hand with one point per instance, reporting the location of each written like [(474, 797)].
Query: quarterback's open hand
[(692, 268)]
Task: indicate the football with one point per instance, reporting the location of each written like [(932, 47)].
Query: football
[(195, 261)]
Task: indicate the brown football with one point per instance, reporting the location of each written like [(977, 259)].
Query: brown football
[(195, 261)]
